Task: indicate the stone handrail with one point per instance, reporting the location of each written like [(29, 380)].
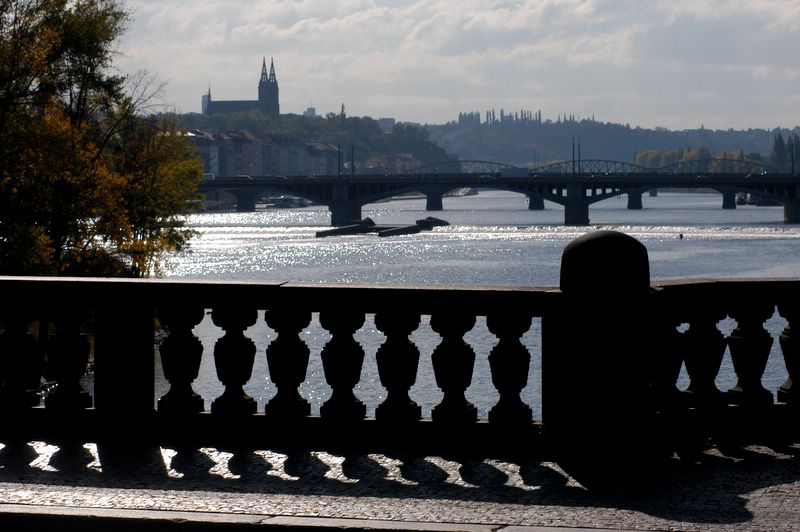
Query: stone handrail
[(611, 358)]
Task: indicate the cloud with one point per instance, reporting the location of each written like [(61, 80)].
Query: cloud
[(425, 60)]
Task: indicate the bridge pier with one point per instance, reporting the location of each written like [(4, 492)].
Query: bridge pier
[(729, 200), (345, 213), (634, 200), (535, 202), (576, 209), (434, 201), (245, 200), (344, 210), (791, 212)]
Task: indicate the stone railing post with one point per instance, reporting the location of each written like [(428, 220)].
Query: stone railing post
[(509, 362), (124, 356), (750, 344), (453, 363), (67, 359), (21, 360), (599, 348), (234, 355), (790, 346), (287, 359), (704, 348), (398, 360), (181, 353), (667, 365), (342, 360)]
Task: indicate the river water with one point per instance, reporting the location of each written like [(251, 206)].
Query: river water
[(492, 239)]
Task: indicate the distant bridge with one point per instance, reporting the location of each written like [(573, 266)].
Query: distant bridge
[(573, 184)]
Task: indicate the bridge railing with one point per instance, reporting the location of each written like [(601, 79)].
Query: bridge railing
[(598, 357)]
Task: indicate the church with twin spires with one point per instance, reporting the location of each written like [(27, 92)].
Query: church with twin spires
[(267, 101)]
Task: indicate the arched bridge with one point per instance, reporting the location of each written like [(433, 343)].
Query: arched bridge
[(593, 167), (461, 167), (573, 184)]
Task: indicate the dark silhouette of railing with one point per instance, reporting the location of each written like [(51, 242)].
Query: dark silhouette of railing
[(612, 350)]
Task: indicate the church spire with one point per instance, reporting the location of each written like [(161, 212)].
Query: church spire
[(264, 78), (206, 100), (268, 89), (272, 78)]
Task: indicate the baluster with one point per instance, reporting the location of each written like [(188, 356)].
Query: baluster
[(67, 359), (21, 361), (287, 358), (750, 345), (342, 358), (510, 362), (453, 361), (124, 357), (704, 349), (234, 355), (669, 348), (790, 347), (181, 354), (398, 360)]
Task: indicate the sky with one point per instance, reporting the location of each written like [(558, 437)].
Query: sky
[(677, 64)]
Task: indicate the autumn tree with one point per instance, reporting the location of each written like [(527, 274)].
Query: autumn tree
[(161, 174), (89, 185)]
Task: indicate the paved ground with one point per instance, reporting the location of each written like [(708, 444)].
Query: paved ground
[(755, 488)]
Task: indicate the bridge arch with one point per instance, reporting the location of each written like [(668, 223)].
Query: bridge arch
[(588, 167)]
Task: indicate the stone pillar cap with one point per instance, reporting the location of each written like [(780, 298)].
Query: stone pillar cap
[(605, 261)]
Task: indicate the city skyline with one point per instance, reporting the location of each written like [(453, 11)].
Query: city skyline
[(676, 64)]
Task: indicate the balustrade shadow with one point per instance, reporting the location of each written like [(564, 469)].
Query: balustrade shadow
[(611, 361), (685, 493)]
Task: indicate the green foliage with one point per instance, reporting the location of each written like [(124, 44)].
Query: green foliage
[(780, 154), (87, 186), (662, 158), (785, 154)]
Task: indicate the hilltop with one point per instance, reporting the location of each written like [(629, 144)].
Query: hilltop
[(523, 138)]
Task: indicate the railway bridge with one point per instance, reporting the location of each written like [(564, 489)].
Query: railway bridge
[(573, 184)]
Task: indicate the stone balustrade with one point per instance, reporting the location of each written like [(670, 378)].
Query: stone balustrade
[(611, 359)]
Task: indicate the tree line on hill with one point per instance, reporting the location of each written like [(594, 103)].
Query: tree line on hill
[(783, 157), (523, 138), (785, 154), (362, 137)]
